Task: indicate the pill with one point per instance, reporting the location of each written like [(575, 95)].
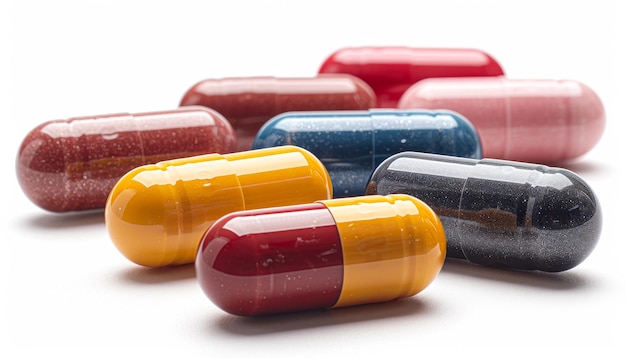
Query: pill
[(500, 213), (327, 254), (156, 214), (390, 71), (248, 102), (543, 121), (71, 165), (352, 143)]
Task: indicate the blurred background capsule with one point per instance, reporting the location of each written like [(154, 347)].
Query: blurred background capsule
[(248, 102), (391, 70)]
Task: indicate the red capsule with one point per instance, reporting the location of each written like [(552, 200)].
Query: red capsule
[(391, 70), (70, 165), (249, 102)]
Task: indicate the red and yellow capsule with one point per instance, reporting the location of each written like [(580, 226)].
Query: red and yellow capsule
[(331, 253)]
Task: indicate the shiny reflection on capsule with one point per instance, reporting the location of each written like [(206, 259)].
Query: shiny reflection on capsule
[(327, 254), (352, 143), (500, 213)]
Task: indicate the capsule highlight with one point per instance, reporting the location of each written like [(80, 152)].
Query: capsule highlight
[(248, 102), (72, 165), (332, 253), (351, 144), (390, 71), (500, 213), (542, 121), (156, 214)]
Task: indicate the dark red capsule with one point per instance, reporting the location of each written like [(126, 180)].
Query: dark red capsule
[(249, 102), (70, 165)]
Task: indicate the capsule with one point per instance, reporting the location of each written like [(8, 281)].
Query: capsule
[(390, 71), (500, 213), (331, 253), (248, 102), (352, 143), (72, 165), (156, 214), (544, 121)]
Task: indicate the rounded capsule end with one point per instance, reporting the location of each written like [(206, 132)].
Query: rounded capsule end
[(193, 96), (223, 138), (568, 220), (321, 184), (40, 167), (272, 260), (588, 120), (273, 133), (427, 241), (364, 96), (394, 246), (138, 212), (465, 139)]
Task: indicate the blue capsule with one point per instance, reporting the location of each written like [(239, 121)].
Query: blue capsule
[(351, 144)]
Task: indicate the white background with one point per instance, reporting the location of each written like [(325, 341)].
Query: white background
[(66, 291)]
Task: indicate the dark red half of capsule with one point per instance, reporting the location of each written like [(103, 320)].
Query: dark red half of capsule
[(251, 269)]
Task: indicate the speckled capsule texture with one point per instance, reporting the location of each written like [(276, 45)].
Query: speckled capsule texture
[(249, 102), (500, 213), (352, 143), (72, 165)]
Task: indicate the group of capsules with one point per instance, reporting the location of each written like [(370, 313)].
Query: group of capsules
[(345, 188)]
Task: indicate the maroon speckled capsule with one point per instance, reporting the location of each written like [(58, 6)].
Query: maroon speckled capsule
[(249, 102), (72, 165)]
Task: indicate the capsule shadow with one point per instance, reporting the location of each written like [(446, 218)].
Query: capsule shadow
[(548, 280), (252, 326), (52, 221), (158, 275), (583, 167)]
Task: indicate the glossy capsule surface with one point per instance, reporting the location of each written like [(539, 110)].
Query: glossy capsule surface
[(156, 214), (390, 71), (248, 102), (543, 121), (500, 213), (332, 253), (72, 165), (352, 143)]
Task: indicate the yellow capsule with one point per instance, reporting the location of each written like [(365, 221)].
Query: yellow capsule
[(156, 214)]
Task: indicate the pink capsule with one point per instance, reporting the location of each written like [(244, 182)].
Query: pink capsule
[(542, 121)]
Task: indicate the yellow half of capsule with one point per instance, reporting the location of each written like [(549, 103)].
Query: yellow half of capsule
[(393, 247), (156, 214)]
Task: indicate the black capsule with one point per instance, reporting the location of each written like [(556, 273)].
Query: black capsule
[(500, 213)]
